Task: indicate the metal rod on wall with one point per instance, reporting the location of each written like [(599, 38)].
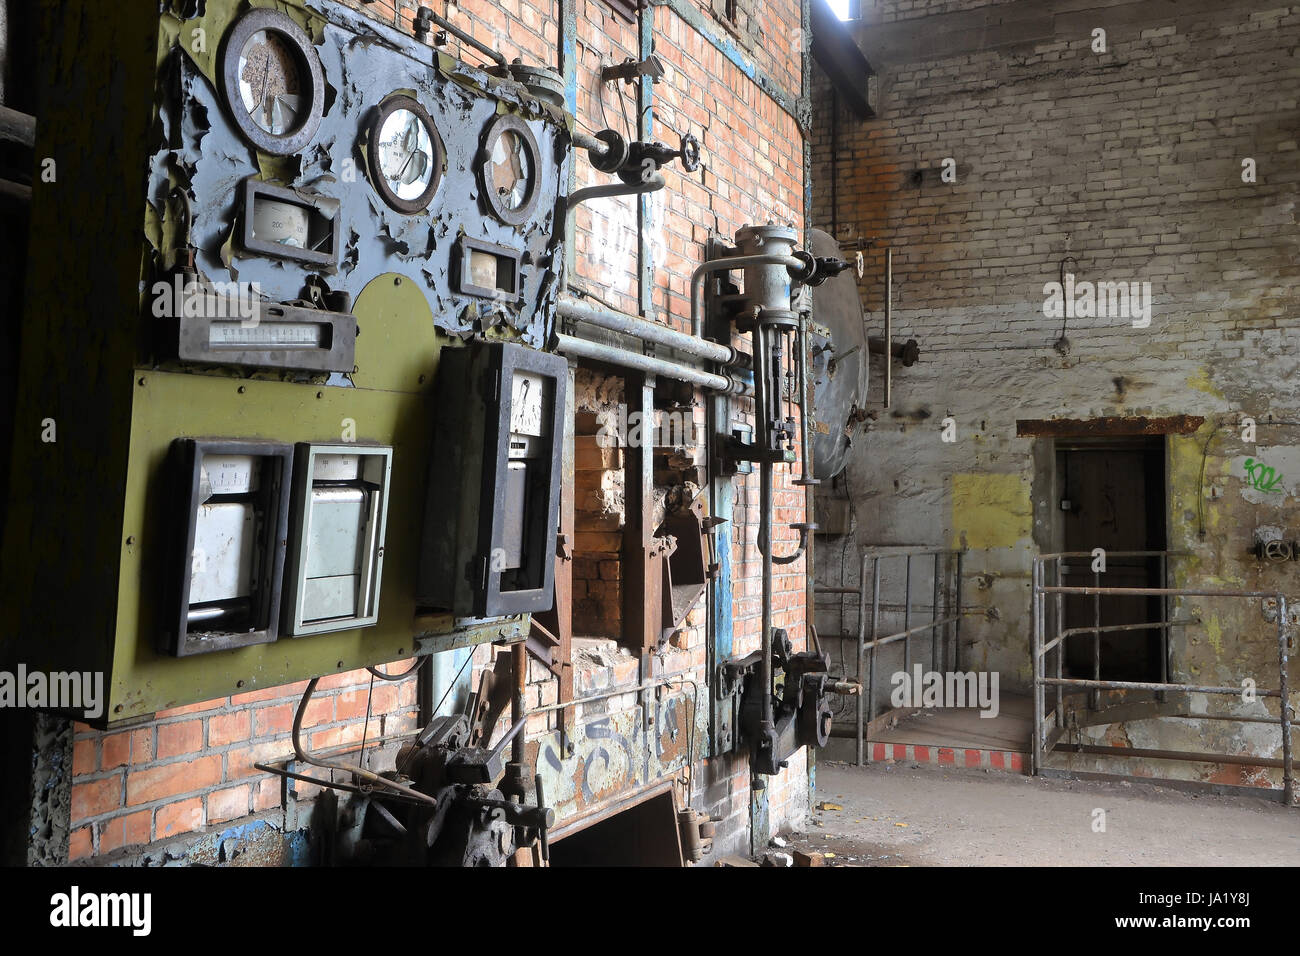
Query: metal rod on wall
[(889, 323)]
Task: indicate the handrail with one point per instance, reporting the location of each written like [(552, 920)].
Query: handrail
[(1046, 640)]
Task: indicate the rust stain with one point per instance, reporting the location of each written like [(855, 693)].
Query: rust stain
[(1081, 427)]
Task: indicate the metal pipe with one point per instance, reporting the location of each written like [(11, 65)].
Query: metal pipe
[(907, 618), (761, 395), (648, 331), (493, 55), (919, 629), (726, 265), (16, 127), (370, 776), (605, 190), (596, 351), (1060, 651), (1095, 697), (875, 625), (1035, 749), (862, 637), (889, 323), (1156, 592), (1151, 685), (936, 660)]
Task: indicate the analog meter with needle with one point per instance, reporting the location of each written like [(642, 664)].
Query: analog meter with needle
[(274, 83), (508, 169), (405, 154)]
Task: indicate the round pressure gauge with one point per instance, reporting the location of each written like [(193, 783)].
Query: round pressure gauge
[(508, 169), (274, 84), (405, 154)]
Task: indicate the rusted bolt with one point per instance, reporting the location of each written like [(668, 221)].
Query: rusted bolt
[(242, 390)]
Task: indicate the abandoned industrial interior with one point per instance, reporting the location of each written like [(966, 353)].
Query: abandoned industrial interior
[(651, 433)]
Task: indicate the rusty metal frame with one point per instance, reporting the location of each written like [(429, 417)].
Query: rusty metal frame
[(1047, 638)]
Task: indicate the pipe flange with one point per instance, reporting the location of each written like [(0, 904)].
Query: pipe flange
[(778, 318), (616, 152), (808, 273)]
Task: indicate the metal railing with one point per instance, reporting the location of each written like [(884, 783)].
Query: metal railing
[(938, 626), (1050, 635)]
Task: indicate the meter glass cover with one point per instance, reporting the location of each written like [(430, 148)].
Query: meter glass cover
[(510, 169), (271, 82), (406, 154)]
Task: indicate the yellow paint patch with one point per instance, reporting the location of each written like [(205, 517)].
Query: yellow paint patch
[(1200, 380), (991, 510)]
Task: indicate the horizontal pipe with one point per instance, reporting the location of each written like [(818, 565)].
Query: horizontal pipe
[(581, 348), (16, 127), (1113, 628), (1144, 685), (647, 331), (1244, 760), (1157, 592), (495, 56)]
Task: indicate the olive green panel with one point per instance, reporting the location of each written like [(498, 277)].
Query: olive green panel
[(397, 347), (397, 344)]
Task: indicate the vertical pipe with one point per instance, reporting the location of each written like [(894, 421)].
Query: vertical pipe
[(763, 440), (862, 637), (956, 625), (1164, 631), (1035, 748), (936, 660), (1095, 696), (1288, 776), (907, 619), (875, 630), (1060, 648), (889, 326)]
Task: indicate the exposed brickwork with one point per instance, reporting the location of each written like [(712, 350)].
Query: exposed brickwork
[(193, 766)]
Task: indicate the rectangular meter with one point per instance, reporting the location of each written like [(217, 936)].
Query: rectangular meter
[(340, 510), (494, 483), (234, 497)]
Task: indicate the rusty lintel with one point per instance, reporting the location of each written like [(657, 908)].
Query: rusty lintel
[(1115, 425)]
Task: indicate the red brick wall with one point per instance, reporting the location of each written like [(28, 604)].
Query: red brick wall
[(192, 767)]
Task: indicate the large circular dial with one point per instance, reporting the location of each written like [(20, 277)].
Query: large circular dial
[(406, 157), (274, 84), (508, 169)]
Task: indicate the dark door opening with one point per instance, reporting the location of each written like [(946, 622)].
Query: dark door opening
[(1111, 495)]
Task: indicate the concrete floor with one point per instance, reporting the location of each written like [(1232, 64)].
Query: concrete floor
[(914, 815)]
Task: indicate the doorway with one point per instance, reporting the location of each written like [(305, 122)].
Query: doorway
[(1111, 495)]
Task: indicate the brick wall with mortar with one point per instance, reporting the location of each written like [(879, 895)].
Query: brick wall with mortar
[(190, 770), (1131, 162)]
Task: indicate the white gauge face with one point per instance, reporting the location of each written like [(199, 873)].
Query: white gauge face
[(528, 405), (406, 154), (270, 82), (510, 169)]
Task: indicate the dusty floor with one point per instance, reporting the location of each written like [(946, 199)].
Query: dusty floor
[(913, 815)]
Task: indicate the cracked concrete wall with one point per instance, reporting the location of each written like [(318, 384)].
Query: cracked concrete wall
[(1131, 162)]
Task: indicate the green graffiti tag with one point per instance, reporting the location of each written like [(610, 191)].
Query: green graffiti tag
[(1261, 477)]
